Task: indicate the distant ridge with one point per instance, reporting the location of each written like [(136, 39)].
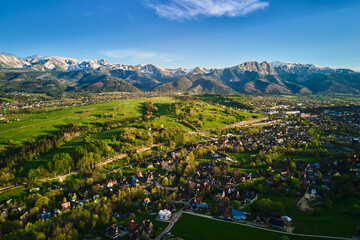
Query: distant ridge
[(44, 74)]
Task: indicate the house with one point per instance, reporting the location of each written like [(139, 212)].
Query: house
[(72, 197), (66, 205), (24, 216), (131, 225), (276, 223), (135, 181), (251, 196), (4, 213), (110, 183), (238, 215), (164, 215), (147, 201), (284, 175), (33, 190), (112, 231), (45, 215), (292, 112), (227, 212), (147, 226), (259, 218)]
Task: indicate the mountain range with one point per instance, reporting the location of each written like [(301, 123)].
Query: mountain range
[(58, 74)]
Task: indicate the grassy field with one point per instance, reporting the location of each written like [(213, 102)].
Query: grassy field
[(192, 227), (34, 125), (334, 222), (38, 124), (330, 222)]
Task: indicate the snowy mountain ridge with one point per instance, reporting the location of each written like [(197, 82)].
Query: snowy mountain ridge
[(54, 63)]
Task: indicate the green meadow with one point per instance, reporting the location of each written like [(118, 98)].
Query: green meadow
[(329, 222), (40, 124), (192, 227)]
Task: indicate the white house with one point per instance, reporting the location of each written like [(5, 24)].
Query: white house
[(164, 215)]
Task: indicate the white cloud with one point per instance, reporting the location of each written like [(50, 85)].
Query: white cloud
[(357, 69), (139, 56), (190, 9)]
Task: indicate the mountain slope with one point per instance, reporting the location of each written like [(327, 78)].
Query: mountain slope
[(195, 84), (58, 73), (31, 82)]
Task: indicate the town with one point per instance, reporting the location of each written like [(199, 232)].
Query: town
[(287, 167)]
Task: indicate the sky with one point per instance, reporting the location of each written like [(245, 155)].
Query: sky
[(185, 33)]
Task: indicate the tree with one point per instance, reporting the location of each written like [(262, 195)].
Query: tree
[(237, 204), (172, 144), (42, 202), (33, 211), (40, 236), (165, 181), (179, 138), (89, 181), (265, 206), (62, 163), (292, 165)]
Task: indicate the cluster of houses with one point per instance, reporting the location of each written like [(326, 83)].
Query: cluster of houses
[(268, 137), (130, 228)]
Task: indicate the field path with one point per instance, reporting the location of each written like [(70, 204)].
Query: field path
[(10, 188)]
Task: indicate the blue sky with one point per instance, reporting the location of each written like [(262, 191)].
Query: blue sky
[(185, 33)]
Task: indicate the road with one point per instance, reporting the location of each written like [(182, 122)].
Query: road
[(171, 224), (170, 189)]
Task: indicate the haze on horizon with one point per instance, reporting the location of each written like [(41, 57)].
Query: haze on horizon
[(185, 33)]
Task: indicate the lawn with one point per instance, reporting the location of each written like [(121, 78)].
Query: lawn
[(330, 222), (334, 222), (244, 155), (192, 227)]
